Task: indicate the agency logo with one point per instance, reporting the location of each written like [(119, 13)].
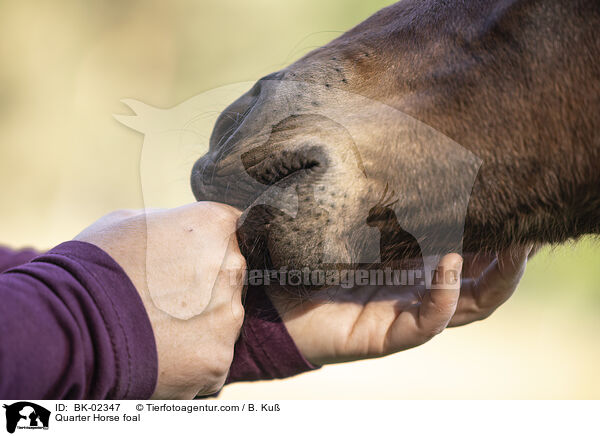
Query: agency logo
[(26, 415)]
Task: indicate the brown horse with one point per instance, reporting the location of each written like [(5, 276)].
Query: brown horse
[(482, 114)]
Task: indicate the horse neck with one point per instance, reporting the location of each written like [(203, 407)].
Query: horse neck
[(524, 97)]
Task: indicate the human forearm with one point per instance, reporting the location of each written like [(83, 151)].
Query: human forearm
[(73, 326)]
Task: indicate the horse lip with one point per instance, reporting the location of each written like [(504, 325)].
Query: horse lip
[(283, 164), (283, 171)]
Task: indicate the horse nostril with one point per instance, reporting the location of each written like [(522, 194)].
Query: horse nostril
[(232, 118)]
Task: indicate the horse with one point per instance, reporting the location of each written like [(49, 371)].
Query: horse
[(482, 117)]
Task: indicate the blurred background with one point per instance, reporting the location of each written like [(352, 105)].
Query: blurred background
[(65, 161)]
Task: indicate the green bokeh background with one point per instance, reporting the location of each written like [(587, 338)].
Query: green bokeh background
[(64, 161)]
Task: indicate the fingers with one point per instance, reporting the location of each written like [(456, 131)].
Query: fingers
[(534, 250), (193, 263), (481, 296), (422, 322), (500, 279), (475, 264), (439, 303), (227, 290)]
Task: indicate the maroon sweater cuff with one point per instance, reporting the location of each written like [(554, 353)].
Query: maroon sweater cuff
[(124, 316), (265, 349), (73, 319)]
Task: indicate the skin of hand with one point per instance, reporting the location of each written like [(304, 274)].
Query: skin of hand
[(341, 325), (488, 282), (182, 247)]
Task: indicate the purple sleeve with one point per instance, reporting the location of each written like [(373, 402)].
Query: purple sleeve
[(72, 326), (265, 349), (10, 258)]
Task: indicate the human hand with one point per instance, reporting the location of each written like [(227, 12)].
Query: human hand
[(488, 281), (340, 325), (183, 262)]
